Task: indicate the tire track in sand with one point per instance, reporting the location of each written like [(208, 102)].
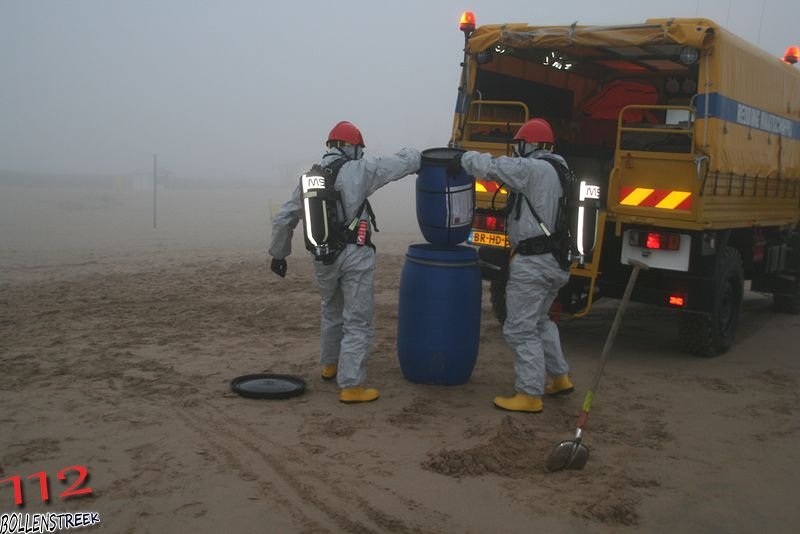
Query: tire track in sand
[(329, 503)]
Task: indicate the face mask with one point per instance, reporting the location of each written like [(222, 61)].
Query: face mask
[(352, 151), (521, 149)]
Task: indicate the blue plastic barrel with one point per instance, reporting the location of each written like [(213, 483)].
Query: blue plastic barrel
[(445, 205), (439, 318)]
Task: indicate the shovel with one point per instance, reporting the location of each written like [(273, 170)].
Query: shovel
[(573, 454)]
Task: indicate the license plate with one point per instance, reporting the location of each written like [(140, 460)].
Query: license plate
[(489, 239)]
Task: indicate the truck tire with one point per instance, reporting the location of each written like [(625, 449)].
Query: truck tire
[(497, 290), (709, 335)]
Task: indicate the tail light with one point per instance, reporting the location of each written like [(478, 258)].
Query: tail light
[(655, 240), (493, 223), (679, 301)]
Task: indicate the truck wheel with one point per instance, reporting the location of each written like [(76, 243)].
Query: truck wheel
[(708, 335), (497, 290)]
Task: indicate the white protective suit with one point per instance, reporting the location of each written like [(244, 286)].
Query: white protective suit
[(346, 285), (533, 281)]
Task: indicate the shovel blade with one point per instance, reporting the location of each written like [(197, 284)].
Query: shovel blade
[(567, 455)]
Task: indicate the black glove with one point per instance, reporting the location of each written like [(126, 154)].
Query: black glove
[(278, 267), (454, 167)]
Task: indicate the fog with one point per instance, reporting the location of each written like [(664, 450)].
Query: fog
[(249, 89), (240, 94)]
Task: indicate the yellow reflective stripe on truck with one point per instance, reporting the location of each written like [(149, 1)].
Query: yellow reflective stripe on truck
[(673, 200), (635, 197), (655, 198)]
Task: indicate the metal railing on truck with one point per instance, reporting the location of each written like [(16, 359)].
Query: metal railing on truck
[(657, 168), (494, 121), (635, 138), (666, 163), (659, 136)]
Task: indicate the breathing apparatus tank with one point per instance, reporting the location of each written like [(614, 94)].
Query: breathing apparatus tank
[(319, 211), (575, 232), (583, 220)]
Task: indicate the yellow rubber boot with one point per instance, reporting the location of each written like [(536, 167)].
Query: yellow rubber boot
[(351, 395), (329, 371), (520, 403), (561, 385)]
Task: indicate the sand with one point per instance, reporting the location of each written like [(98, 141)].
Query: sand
[(118, 343)]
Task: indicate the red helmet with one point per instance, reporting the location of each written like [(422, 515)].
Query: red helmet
[(346, 132), (535, 131)]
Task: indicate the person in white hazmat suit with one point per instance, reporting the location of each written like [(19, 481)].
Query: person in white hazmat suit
[(346, 282), (535, 275)]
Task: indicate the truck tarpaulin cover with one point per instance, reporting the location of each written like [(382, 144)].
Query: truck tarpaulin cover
[(748, 102), (753, 111), (691, 32)]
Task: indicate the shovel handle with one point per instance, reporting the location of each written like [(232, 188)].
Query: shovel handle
[(587, 405), (626, 297), (554, 461)]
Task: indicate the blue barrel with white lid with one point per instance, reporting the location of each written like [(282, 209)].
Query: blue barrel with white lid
[(445, 204), (438, 325)]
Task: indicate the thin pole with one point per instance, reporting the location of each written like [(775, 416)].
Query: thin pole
[(155, 188)]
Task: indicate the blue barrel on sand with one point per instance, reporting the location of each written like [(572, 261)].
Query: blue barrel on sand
[(445, 205), (439, 318)]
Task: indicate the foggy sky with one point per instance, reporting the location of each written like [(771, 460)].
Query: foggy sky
[(249, 88)]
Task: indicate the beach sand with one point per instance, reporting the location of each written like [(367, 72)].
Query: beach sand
[(118, 343)]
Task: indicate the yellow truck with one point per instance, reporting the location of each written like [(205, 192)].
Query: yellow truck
[(693, 136)]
